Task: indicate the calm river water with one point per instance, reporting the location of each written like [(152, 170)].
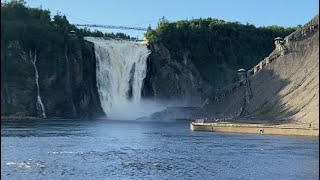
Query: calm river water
[(96, 149)]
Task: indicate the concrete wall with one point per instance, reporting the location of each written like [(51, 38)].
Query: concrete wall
[(255, 129)]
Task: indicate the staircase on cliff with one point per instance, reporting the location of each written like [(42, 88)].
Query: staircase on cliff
[(284, 85)]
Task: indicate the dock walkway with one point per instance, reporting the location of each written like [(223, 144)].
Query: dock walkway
[(254, 129)]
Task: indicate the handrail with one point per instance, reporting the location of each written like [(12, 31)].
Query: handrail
[(113, 27)]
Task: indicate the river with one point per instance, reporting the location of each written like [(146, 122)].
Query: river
[(106, 149)]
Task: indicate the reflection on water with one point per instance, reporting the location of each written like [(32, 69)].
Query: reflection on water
[(65, 149)]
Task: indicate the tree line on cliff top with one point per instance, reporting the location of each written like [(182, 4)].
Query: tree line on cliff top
[(35, 25), (213, 44), (216, 46), (36, 30)]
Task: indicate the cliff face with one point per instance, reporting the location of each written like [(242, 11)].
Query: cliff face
[(67, 86), (173, 80), (285, 90)]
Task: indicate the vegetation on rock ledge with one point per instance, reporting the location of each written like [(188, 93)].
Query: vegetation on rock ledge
[(216, 46)]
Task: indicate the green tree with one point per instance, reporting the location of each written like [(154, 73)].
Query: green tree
[(214, 43)]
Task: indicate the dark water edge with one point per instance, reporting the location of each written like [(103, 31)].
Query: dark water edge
[(106, 149)]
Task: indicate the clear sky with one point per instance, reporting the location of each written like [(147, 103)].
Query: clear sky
[(144, 12)]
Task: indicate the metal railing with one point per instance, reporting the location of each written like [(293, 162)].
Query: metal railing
[(113, 27)]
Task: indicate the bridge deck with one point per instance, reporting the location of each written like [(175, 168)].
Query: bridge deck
[(112, 27)]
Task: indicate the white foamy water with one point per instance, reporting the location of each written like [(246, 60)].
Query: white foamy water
[(39, 103), (121, 69)]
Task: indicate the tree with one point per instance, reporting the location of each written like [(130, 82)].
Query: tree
[(214, 43)]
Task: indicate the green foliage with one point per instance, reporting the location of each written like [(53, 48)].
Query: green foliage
[(216, 45), (36, 31), (87, 32), (24, 30), (34, 28)]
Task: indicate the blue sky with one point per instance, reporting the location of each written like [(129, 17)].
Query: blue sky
[(144, 12)]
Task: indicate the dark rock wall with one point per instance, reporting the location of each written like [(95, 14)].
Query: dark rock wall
[(77, 98), (173, 80)]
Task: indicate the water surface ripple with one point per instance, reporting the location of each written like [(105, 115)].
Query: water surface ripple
[(96, 149)]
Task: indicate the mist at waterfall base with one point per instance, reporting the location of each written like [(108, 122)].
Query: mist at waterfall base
[(133, 111), (121, 67)]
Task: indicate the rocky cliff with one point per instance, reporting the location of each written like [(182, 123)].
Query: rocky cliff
[(284, 87), (174, 80), (190, 62), (67, 85)]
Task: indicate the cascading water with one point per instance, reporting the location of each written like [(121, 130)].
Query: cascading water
[(121, 69), (39, 105)]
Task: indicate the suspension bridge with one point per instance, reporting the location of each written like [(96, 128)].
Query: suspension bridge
[(112, 27)]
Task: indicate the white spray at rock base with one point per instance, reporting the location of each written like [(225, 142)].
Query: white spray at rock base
[(120, 71)]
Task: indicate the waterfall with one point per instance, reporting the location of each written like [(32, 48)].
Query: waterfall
[(39, 105), (121, 68)]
